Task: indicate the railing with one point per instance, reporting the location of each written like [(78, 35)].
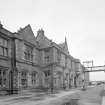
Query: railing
[(95, 69)]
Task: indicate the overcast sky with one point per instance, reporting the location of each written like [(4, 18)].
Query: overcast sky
[(81, 21)]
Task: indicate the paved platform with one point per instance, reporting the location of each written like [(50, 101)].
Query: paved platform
[(34, 99), (103, 97), (91, 96), (42, 98)]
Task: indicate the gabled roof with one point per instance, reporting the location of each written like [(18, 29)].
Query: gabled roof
[(42, 40), (5, 31), (64, 46), (27, 34)]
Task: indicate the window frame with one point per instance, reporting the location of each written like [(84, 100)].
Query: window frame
[(33, 77), (3, 78), (47, 56), (58, 56), (24, 79), (47, 73), (28, 52), (47, 59), (4, 47)]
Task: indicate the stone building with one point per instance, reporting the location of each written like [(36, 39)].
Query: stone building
[(36, 62), (6, 61)]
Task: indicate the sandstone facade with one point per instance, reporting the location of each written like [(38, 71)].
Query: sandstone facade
[(37, 62)]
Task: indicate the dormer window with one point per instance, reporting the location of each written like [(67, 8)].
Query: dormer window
[(28, 52)]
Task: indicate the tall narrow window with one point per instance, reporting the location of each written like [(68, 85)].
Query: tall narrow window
[(3, 47), (58, 56), (47, 57), (24, 79), (28, 53), (66, 61), (3, 78), (33, 78), (47, 78)]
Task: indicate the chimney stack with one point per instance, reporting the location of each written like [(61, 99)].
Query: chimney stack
[(40, 32)]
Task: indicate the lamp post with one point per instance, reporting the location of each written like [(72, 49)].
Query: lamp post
[(63, 78), (83, 81)]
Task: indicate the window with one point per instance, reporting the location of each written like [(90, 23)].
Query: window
[(47, 73), (33, 78), (47, 78), (55, 81), (24, 79), (66, 61), (28, 53), (67, 75), (58, 56), (47, 57), (3, 78), (3, 47)]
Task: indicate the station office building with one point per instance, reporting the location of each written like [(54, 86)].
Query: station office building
[(27, 61)]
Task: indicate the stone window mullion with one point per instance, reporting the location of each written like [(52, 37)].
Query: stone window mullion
[(28, 52), (3, 47), (2, 78)]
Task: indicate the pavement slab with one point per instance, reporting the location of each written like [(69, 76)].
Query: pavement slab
[(89, 97), (92, 96), (34, 100)]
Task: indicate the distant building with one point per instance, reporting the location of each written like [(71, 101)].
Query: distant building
[(36, 62)]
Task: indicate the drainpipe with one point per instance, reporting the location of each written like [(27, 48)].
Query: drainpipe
[(63, 77), (52, 85), (70, 75), (69, 79), (13, 65)]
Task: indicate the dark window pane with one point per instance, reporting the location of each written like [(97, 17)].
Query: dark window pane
[(5, 52), (5, 43), (1, 41), (28, 53), (3, 47), (1, 51)]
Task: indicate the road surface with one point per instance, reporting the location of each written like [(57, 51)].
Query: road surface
[(89, 97)]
